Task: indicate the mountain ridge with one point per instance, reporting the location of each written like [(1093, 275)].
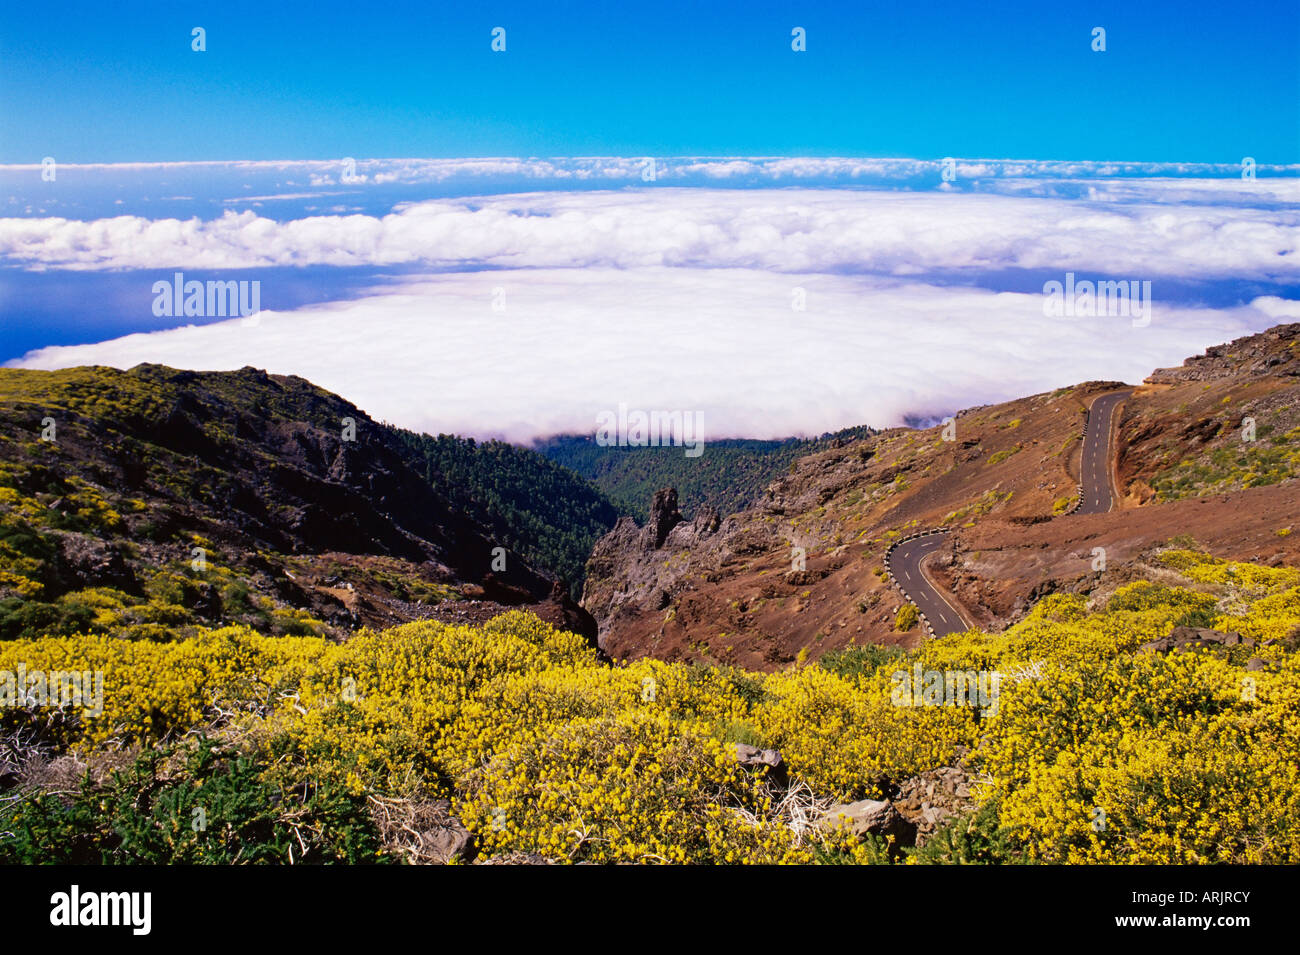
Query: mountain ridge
[(229, 496)]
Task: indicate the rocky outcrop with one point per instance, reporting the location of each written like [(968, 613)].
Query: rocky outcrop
[(1272, 352), (85, 561), (664, 516), (1189, 638), (920, 805), (876, 817), (931, 799), (636, 570)]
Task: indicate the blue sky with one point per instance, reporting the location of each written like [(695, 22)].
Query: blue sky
[(1199, 82), (468, 241)]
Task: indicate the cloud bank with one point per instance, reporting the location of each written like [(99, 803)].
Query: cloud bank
[(792, 230), (436, 355), (673, 294)]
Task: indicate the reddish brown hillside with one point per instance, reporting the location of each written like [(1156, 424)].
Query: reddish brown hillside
[(731, 591)]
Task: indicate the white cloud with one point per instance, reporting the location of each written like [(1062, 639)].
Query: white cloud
[(1279, 310), (676, 294), (789, 230), (1223, 191), (433, 354)]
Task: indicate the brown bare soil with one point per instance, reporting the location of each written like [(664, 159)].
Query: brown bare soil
[(732, 590)]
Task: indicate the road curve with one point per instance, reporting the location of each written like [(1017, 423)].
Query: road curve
[(905, 562), (905, 558)]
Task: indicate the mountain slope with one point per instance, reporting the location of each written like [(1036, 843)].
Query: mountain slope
[(727, 477), (1004, 484), (530, 504), (154, 499), (1188, 435)]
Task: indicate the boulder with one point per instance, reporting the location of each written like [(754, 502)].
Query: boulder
[(1188, 637), (752, 756), (875, 816), (444, 837), (447, 843), (932, 817), (422, 832)]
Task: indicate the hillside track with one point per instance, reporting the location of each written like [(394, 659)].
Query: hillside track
[(1097, 492), (904, 561)]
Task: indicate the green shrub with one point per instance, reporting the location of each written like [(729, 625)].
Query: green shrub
[(26, 619), (220, 809), (853, 662), (975, 839)]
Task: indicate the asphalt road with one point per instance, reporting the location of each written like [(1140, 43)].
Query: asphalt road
[(1094, 463), (1098, 497), (905, 563)]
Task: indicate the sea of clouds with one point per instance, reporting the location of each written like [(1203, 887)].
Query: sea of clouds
[(775, 296)]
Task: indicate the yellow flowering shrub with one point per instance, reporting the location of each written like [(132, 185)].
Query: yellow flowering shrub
[(153, 689), (1157, 758), (632, 788), (1101, 753), (847, 740), (1096, 750), (1212, 570)]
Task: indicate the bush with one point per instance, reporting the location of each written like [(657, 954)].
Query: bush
[(907, 617), (973, 839), (214, 807), (26, 618), (541, 747), (625, 789), (853, 662)]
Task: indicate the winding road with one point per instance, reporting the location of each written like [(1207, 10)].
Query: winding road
[(1098, 491), (905, 560)]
